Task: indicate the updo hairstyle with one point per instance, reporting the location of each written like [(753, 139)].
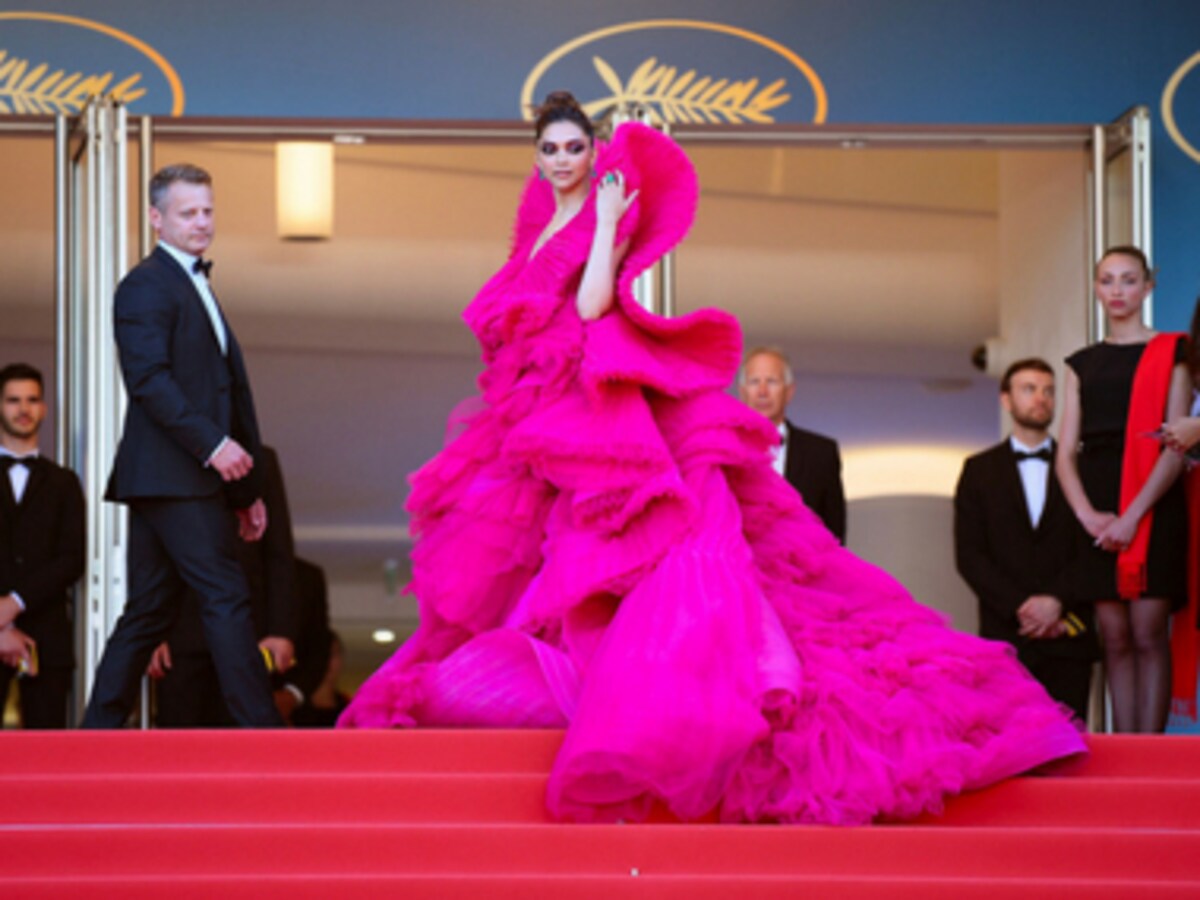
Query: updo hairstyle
[(560, 106)]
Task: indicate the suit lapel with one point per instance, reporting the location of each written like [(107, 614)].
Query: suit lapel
[(8, 500), (173, 264), (1010, 472), (37, 475), (1055, 501), (793, 464)]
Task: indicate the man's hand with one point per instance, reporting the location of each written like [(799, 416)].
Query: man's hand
[(15, 645), (232, 461), (9, 610), (252, 521), (283, 651), (1040, 617), (160, 661)]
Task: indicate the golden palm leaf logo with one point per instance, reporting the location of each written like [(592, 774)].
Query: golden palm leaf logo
[(38, 90), (679, 94), (674, 97)]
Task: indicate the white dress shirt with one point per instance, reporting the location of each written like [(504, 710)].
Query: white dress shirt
[(200, 280), (779, 451), (204, 290), (18, 477), (1035, 475)]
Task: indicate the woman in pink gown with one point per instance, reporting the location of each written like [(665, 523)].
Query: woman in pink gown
[(604, 547)]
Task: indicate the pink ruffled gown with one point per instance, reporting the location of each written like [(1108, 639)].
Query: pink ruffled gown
[(604, 547)]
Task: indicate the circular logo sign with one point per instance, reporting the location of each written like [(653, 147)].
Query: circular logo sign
[(680, 70), (1170, 93), (51, 63)]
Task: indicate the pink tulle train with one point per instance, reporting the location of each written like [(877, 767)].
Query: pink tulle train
[(603, 547)]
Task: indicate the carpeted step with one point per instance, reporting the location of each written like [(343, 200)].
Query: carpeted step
[(897, 853)]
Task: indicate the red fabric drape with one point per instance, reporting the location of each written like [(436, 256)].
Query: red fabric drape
[(1147, 406)]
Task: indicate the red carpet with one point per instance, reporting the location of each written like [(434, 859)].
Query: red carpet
[(459, 814)]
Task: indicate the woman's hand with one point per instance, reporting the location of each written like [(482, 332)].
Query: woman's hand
[(1118, 534), (611, 202), (1182, 434), (1094, 523)]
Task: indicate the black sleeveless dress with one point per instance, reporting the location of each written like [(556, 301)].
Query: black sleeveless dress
[(1105, 374)]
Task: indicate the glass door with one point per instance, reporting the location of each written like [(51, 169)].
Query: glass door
[(91, 256), (1120, 195)]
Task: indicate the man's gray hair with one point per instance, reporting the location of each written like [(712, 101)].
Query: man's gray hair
[(767, 350), (168, 175)]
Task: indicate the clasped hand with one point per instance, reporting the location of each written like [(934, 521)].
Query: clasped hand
[(1041, 617), (1116, 534)]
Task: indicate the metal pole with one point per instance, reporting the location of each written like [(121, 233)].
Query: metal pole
[(145, 173), (61, 298), (1139, 146), (104, 257), (98, 574), (1096, 326), (654, 289), (667, 284)]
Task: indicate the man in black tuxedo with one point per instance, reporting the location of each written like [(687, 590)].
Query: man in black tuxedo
[(810, 462), (1016, 543), (188, 691), (185, 464), (41, 556)]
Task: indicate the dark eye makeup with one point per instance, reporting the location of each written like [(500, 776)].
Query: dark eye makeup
[(572, 147)]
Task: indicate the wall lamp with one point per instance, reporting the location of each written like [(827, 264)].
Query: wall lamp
[(304, 190)]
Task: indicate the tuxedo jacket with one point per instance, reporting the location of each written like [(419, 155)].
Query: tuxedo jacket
[(1006, 560), (270, 567), (814, 468), (42, 555), (184, 394)]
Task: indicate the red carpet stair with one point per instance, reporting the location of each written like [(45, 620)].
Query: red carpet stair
[(452, 814)]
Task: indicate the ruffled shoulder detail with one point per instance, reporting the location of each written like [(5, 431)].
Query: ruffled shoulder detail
[(534, 212), (522, 298), (676, 356)]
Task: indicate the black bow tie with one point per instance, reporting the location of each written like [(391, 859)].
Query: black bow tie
[(203, 266), (1043, 454), (7, 462)]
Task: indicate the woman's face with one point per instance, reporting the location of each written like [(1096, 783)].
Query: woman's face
[(1122, 285), (564, 155)]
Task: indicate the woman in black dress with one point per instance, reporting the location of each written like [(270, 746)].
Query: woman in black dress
[(1099, 391)]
